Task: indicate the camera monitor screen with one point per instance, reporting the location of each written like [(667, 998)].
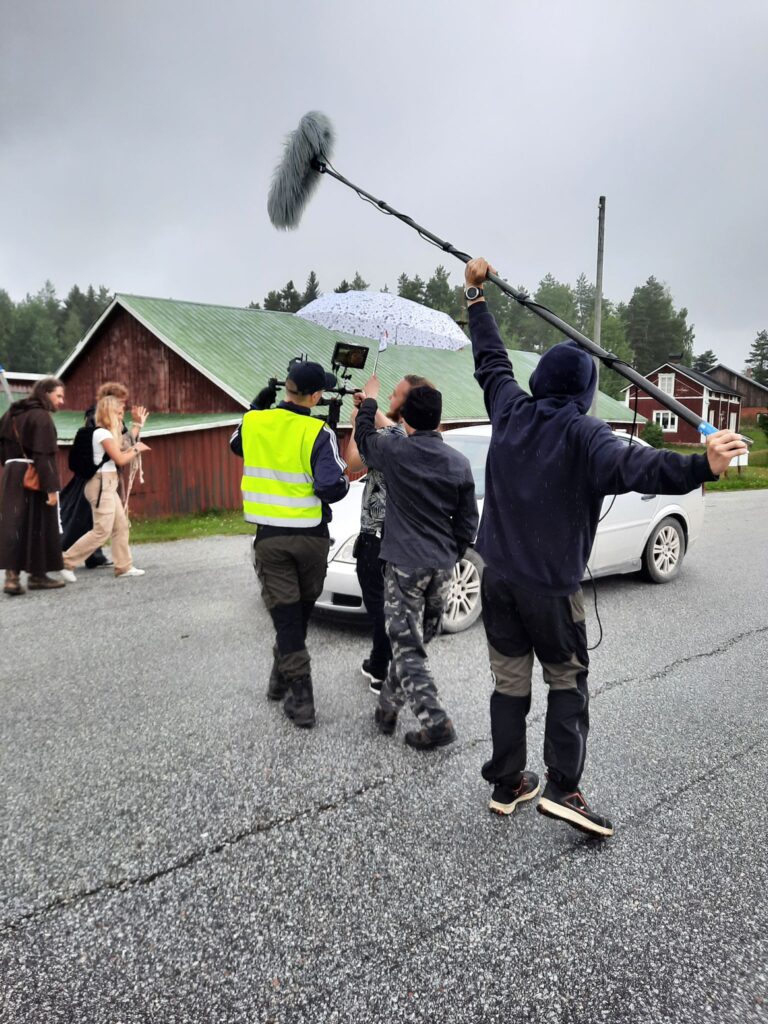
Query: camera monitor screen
[(351, 356)]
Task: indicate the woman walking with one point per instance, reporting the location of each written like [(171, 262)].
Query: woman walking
[(29, 522), (109, 518)]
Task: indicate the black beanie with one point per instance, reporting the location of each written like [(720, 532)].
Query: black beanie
[(423, 408)]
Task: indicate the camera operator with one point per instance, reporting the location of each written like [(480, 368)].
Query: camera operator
[(292, 472)]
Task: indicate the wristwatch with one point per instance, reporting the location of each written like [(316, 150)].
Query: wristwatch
[(473, 293)]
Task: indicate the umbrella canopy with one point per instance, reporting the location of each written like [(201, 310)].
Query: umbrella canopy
[(385, 317)]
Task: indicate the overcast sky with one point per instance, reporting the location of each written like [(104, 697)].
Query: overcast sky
[(138, 141)]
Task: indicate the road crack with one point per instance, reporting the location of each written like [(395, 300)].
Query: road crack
[(128, 883)]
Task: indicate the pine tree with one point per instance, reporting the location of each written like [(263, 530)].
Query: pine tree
[(312, 290), (412, 289), (703, 362), (7, 318), (291, 300), (657, 332), (345, 286), (358, 284), (274, 301), (757, 360), (438, 294)]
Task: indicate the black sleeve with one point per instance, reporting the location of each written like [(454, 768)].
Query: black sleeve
[(236, 441), (493, 367), (465, 519), (330, 481), (616, 468)]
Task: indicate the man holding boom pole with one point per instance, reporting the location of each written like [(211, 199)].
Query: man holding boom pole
[(549, 467)]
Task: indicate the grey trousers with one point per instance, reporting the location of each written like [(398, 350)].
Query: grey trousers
[(291, 569)]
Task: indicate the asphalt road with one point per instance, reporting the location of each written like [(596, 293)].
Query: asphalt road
[(174, 850)]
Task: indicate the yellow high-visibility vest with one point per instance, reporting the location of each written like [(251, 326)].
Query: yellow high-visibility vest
[(277, 482)]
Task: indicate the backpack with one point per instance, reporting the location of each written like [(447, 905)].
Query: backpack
[(81, 454)]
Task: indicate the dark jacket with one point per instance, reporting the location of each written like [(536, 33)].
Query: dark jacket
[(550, 465), (329, 482), (29, 528), (431, 515)]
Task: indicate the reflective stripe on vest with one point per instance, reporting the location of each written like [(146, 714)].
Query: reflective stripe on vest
[(277, 482)]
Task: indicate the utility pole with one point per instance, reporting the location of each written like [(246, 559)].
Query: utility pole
[(598, 295)]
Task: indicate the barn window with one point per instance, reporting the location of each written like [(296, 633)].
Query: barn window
[(667, 383), (666, 419)]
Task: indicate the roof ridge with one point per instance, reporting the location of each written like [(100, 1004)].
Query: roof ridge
[(190, 302)]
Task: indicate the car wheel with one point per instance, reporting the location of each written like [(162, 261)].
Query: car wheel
[(463, 605), (664, 551)]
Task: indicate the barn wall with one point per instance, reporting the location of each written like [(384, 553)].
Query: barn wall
[(124, 350), (753, 396)]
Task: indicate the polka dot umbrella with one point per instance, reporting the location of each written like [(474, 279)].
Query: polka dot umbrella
[(385, 317)]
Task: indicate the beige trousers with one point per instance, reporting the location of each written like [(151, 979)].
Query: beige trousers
[(109, 520)]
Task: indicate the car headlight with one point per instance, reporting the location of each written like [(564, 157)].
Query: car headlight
[(344, 554)]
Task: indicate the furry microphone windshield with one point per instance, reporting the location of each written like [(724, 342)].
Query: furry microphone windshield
[(298, 173)]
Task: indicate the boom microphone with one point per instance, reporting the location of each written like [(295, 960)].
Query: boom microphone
[(298, 174), (307, 156)]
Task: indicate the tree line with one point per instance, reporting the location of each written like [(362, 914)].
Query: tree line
[(646, 331), (37, 333)]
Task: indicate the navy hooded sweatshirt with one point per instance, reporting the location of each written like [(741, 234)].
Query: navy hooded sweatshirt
[(550, 465)]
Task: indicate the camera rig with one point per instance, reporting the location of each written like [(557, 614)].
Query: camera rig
[(346, 357)]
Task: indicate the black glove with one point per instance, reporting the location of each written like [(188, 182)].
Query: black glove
[(265, 398)]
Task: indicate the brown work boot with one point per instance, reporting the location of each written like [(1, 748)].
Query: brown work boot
[(12, 583), (44, 583)]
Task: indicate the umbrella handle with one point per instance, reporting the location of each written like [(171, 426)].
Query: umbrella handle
[(608, 358)]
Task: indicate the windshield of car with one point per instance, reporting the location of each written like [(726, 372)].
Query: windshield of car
[(476, 450)]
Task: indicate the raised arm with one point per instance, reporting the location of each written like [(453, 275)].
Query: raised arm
[(493, 368)]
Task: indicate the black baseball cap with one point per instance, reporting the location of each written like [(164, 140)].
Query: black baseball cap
[(310, 377)]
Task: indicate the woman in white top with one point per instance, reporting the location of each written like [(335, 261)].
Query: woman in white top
[(109, 518)]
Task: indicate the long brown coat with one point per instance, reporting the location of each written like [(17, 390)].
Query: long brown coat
[(29, 528)]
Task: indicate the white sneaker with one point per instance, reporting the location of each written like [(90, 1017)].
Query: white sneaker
[(133, 571), (67, 575)]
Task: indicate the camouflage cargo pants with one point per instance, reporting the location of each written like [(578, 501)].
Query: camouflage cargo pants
[(413, 608)]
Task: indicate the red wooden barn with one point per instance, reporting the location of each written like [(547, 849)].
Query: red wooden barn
[(710, 400)]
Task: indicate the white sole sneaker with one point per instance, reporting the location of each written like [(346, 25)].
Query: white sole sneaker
[(67, 575), (130, 572)]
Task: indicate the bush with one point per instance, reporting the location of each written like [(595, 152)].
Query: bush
[(653, 435), (762, 422)]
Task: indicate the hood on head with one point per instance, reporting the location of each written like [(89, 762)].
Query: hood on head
[(565, 371)]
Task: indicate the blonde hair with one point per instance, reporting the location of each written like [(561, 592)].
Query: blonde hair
[(108, 415)]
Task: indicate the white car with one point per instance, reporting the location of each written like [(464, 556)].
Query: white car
[(646, 532)]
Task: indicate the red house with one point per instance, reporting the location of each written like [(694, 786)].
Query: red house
[(708, 399)]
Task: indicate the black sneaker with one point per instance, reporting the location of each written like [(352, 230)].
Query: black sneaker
[(98, 562), (385, 721), (573, 809), (375, 676), (436, 736), (505, 799)]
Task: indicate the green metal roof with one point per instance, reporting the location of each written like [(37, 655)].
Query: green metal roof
[(240, 349), (67, 423)]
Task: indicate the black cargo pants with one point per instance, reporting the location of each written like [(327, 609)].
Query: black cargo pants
[(519, 624), (370, 576), (291, 569)]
